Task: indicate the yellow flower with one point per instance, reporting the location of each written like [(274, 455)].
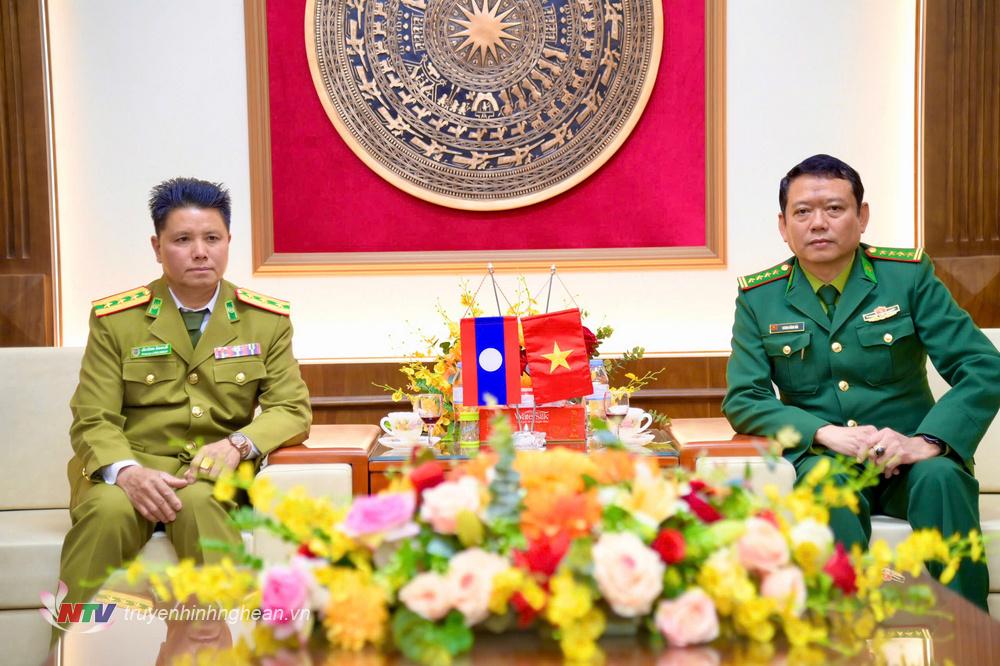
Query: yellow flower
[(161, 591), (222, 583), (262, 493), (569, 600), (726, 581), (579, 640), (304, 516), (801, 632), (652, 495), (357, 612), (245, 474), (134, 571), (976, 545), (817, 473), (750, 618), (949, 571), (225, 487)]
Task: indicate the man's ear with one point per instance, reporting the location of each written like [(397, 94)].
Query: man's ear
[(781, 227), (154, 241), (863, 216)]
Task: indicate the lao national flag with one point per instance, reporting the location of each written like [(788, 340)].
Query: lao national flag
[(557, 356), (491, 363)]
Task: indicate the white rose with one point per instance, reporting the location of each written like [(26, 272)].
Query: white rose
[(816, 533)]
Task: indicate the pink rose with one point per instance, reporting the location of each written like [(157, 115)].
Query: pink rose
[(689, 619), (762, 547), (284, 596), (784, 584), (389, 515), (628, 573), (427, 595), (442, 503), (470, 581)]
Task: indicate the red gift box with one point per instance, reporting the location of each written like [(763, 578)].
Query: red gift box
[(558, 423)]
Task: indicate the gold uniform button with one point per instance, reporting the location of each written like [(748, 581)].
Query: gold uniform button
[(150, 378), (786, 350), (837, 347), (193, 378), (189, 446), (887, 337), (240, 377), (852, 423), (843, 385), (197, 411)]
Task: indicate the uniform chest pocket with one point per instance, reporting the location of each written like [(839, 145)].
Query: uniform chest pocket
[(240, 372), (891, 349), (792, 367), (149, 381)]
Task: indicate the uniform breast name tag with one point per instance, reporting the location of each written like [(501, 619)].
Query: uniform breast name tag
[(151, 350), (791, 327), (880, 313), (235, 351)]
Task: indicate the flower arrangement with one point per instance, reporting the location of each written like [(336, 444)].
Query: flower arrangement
[(434, 367), (568, 543)]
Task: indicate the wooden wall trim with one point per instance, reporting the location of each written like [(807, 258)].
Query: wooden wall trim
[(346, 393), (26, 258)]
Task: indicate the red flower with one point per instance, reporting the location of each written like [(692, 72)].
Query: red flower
[(543, 555), (591, 341), (669, 544), (304, 551), (842, 571), (769, 517), (702, 509), (525, 613), (426, 476)]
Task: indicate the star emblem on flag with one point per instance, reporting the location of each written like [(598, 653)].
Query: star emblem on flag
[(557, 357)]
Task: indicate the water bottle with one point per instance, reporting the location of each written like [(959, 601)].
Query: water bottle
[(601, 387)]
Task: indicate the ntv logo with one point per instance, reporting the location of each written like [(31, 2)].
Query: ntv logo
[(56, 613)]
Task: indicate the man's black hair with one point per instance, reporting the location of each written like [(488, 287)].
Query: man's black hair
[(823, 166), (187, 193)]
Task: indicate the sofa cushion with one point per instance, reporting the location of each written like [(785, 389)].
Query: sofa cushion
[(30, 543), (761, 471), (36, 384), (24, 636)]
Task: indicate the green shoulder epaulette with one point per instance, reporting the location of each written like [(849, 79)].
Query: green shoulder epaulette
[(263, 302), (123, 301), (911, 255), (748, 282)]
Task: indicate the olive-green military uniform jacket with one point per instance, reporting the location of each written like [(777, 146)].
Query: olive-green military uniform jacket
[(868, 366), (140, 399)]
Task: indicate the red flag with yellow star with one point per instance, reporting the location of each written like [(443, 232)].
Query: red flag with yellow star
[(557, 356)]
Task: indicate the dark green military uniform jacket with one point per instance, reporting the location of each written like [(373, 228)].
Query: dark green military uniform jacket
[(146, 394), (867, 366)]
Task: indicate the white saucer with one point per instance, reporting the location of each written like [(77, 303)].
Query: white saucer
[(396, 443), (642, 439)]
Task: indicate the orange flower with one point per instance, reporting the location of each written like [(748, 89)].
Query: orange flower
[(559, 470), (548, 514), (614, 466), (475, 467)]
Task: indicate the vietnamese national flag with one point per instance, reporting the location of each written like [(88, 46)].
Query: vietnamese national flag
[(557, 356), (491, 361)]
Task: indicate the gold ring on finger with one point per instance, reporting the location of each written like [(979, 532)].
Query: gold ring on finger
[(206, 463)]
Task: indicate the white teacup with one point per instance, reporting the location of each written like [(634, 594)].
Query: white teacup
[(635, 422), (404, 426)]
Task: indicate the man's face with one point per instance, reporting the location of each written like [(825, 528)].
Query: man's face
[(193, 248), (822, 223)]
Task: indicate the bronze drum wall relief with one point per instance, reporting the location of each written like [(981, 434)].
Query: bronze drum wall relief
[(484, 104)]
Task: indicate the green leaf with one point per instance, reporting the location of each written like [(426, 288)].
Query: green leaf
[(428, 642)]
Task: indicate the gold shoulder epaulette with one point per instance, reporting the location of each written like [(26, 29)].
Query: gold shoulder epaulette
[(123, 301), (264, 302), (748, 282), (911, 255)]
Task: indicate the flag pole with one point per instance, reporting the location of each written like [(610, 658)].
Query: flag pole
[(548, 297), (489, 268)]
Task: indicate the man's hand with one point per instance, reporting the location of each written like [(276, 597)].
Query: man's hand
[(211, 460), (151, 492), (894, 449), (849, 441)]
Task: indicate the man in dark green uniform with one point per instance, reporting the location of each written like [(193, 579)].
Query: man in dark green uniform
[(844, 331), (170, 379)]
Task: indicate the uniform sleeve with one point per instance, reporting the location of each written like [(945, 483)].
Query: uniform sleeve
[(285, 414), (750, 403), (97, 434), (964, 357)]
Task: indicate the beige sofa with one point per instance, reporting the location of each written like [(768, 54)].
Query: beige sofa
[(894, 530), (36, 385)]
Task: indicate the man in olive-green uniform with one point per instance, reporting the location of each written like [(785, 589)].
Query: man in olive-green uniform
[(170, 379), (844, 331)]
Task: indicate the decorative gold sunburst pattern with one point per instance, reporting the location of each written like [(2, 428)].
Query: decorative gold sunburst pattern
[(485, 30)]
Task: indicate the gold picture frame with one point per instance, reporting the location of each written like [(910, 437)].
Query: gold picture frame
[(266, 261)]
